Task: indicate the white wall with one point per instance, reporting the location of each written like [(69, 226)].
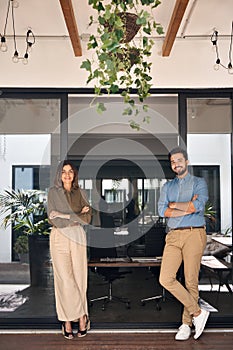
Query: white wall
[(190, 65), (214, 149), (20, 150)]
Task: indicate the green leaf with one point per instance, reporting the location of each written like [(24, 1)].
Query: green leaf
[(97, 5), (147, 29), (146, 119), (141, 21), (131, 102), (114, 88), (100, 107), (128, 111), (109, 64), (86, 65), (144, 41), (97, 90), (159, 30), (134, 125)]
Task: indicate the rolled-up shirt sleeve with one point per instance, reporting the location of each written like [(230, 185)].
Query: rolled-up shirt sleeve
[(163, 200), (200, 188)]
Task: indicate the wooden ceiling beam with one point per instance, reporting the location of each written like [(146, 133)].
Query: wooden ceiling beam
[(177, 16), (71, 25)]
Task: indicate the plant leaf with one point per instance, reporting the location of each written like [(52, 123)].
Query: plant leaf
[(100, 107)]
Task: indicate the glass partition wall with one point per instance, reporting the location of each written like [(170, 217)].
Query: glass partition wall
[(209, 142), (122, 171), (29, 150)]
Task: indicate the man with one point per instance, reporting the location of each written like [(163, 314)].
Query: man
[(182, 201)]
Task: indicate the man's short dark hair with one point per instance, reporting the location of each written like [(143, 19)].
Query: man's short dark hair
[(178, 150)]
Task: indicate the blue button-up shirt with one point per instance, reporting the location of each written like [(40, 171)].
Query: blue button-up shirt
[(183, 190)]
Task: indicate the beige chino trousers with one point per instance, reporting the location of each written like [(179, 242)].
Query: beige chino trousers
[(187, 246), (69, 261)]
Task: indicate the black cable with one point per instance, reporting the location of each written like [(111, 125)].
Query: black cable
[(8, 8), (230, 49), (13, 24)]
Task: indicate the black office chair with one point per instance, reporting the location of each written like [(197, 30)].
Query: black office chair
[(154, 245), (102, 245), (106, 220)]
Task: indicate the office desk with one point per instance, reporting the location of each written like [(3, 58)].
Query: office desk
[(218, 268), (131, 262), (223, 240)]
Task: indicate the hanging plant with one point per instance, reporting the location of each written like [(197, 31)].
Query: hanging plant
[(120, 62)]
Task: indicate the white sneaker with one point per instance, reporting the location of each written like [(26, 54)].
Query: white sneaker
[(183, 333), (199, 322)]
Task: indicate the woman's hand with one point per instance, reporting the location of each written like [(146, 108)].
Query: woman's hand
[(56, 214), (85, 209)]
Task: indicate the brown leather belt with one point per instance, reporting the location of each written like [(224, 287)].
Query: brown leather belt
[(186, 228)]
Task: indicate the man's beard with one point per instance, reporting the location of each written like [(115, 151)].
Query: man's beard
[(181, 172)]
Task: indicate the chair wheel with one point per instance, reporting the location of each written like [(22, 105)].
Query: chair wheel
[(103, 308), (158, 307), (91, 304), (128, 306), (143, 303)]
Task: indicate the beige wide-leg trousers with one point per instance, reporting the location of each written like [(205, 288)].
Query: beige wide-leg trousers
[(69, 260), (187, 246)]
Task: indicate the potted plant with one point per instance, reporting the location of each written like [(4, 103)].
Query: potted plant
[(209, 215), (21, 248), (25, 211), (120, 62)]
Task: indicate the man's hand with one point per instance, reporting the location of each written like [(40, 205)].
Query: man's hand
[(172, 205), (194, 197)]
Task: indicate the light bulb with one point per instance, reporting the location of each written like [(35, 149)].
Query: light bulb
[(3, 45), (217, 63), (15, 58), (25, 59), (29, 47), (230, 68)]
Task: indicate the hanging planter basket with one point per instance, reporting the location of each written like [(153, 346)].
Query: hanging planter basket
[(130, 26), (131, 54), (119, 64)]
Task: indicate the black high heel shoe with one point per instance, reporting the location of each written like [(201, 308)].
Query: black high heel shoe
[(67, 335), (83, 333)]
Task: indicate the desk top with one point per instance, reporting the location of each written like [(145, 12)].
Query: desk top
[(223, 240), (125, 262), (213, 263)]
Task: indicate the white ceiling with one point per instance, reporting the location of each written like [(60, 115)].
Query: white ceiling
[(46, 18)]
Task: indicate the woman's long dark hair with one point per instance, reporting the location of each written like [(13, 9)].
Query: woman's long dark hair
[(58, 181)]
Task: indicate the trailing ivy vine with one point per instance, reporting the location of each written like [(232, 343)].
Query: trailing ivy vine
[(119, 64)]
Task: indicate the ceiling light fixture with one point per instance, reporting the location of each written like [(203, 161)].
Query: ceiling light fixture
[(30, 38), (218, 63)]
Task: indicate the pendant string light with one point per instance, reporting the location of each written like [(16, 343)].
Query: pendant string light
[(30, 38), (218, 63)]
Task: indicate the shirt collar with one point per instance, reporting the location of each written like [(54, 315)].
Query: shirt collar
[(184, 179)]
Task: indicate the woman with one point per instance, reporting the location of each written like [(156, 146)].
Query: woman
[(68, 211)]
